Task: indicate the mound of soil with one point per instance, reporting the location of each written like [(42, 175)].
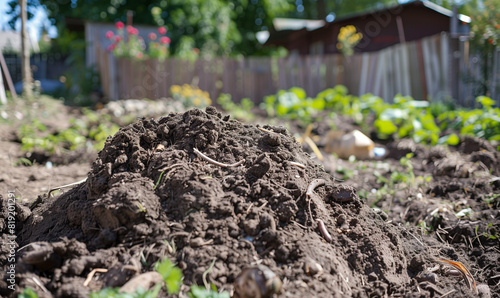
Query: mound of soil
[(150, 194)]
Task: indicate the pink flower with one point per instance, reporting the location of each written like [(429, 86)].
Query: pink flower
[(165, 40), (119, 25), (162, 30), (139, 55), (118, 38), (109, 34), (152, 36), (132, 31), (111, 47)]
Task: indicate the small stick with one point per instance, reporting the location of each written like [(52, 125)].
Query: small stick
[(315, 183), (322, 229), (293, 163), (91, 274), (306, 134), (265, 130), (314, 148), (224, 165), (447, 293), (64, 186), (39, 283)]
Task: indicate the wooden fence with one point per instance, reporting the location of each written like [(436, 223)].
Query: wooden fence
[(431, 68)]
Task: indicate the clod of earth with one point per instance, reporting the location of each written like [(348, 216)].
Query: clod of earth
[(124, 218)]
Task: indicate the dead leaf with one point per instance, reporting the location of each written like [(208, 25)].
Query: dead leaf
[(469, 280)]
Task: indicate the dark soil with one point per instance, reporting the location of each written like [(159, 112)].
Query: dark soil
[(149, 196)]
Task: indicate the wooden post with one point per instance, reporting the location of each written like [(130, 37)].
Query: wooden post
[(5, 77)]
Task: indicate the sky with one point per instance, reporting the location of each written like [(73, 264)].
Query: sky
[(34, 25)]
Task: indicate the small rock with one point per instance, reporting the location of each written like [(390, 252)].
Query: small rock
[(146, 281), (483, 291)]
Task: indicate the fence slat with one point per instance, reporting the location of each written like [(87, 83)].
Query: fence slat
[(419, 68)]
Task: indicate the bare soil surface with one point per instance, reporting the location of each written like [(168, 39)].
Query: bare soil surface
[(150, 195)]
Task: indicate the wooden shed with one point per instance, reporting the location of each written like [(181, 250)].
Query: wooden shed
[(380, 28)]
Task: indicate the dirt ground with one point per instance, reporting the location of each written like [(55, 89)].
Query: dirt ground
[(150, 194)]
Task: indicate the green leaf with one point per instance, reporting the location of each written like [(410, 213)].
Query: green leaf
[(318, 104), (171, 275), (299, 92), (385, 127), (28, 293), (485, 101), (201, 292), (451, 139)]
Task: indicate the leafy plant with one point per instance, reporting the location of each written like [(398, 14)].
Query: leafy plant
[(201, 292), (171, 275), (28, 293), (239, 111), (115, 293), (93, 129)]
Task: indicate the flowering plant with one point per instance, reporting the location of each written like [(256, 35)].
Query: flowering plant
[(348, 38), (190, 96), (127, 43)]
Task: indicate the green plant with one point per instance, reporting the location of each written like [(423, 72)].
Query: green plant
[(115, 293), (94, 128), (201, 292), (172, 275), (239, 111), (28, 293), (23, 161)]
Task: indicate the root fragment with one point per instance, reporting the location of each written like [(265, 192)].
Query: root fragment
[(323, 230), (92, 273), (220, 164), (315, 183), (293, 163)]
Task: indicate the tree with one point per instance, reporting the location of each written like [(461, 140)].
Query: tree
[(319, 9), (25, 46), (216, 27)]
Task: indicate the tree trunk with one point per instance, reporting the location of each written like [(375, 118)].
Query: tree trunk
[(25, 55)]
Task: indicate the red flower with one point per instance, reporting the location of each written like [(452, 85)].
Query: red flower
[(497, 26), (196, 51), (490, 40), (139, 55), (152, 36), (119, 25), (165, 40), (162, 30), (111, 47), (132, 31), (109, 34), (118, 38)]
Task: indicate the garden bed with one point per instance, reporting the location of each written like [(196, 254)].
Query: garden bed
[(151, 194)]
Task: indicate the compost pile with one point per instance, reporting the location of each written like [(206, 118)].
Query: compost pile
[(150, 196)]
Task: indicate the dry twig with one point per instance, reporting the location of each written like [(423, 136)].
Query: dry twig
[(314, 148), (64, 186)]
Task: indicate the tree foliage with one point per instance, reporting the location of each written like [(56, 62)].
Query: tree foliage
[(215, 27)]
